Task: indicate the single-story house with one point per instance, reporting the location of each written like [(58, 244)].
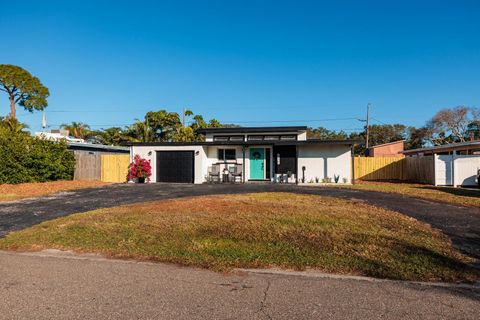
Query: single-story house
[(276, 154), (392, 149), (454, 164)]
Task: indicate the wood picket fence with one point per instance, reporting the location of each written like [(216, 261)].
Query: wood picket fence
[(115, 167), (419, 169)]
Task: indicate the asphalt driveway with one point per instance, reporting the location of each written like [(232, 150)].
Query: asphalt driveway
[(461, 224)]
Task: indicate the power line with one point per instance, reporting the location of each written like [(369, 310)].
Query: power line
[(381, 122)]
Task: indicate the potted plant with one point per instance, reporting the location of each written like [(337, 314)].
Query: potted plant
[(140, 169)]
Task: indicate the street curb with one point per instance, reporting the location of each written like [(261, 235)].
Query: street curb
[(312, 274), (322, 275)]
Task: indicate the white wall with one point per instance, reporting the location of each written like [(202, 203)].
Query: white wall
[(325, 161), (320, 160), (465, 170), (444, 170), (200, 159)]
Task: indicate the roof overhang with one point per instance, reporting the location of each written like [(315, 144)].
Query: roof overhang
[(445, 148), (252, 143), (96, 147), (252, 129)]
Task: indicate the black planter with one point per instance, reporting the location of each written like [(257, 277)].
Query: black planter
[(141, 180)]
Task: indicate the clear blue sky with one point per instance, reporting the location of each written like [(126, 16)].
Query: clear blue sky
[(108, 62)]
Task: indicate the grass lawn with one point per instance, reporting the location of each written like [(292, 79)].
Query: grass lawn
[(464, 197), (9, 192), (258, 230)]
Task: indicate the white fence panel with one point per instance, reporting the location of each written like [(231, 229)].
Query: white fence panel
[(466, 169), (443, 170)]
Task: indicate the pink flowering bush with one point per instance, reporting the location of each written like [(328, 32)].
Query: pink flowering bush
[(139, 168)]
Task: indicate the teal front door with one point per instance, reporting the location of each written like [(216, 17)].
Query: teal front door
[(257, 163)]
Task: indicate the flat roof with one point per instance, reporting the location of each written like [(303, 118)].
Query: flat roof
[(252, 129), (96, 147), (446, 147), (250, 143)]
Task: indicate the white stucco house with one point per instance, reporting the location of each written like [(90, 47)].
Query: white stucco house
[(250, 154)]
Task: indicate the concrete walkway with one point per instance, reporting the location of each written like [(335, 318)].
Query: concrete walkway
[(461, 224), (62, 286)]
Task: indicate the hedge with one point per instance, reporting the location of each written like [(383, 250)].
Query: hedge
[(24, 158)]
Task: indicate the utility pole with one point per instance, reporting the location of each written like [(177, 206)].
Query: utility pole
[(183, 113), (368, 126)]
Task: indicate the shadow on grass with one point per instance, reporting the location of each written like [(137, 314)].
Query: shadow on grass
[(473, 193), (410, 256)]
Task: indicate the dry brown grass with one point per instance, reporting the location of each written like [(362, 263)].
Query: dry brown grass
[(10, 192), (258, 230), (464, 197)]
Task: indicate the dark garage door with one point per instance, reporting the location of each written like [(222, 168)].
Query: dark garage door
[(175, 166)]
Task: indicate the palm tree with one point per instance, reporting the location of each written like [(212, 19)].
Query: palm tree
[(77, 129), (13, 125)]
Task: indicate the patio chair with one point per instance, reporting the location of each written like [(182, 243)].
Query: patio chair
[(236, 172), (214, 173)]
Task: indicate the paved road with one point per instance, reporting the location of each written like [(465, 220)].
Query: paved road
[(76, 287), (461, 224)]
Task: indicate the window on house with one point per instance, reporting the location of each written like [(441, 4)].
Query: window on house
[(237, 138), (289, 137), (226, 154), (272, 138), (220, 138), (255, 138), (228, 138)]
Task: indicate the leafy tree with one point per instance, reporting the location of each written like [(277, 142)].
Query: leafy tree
[(162, 124), (326, 134), (473, 130), (452, 125), (184, 134), (386, 133), (110, 136), (23, 89), (418, 138)]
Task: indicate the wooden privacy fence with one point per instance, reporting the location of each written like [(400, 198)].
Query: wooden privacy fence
[(379, 168), (87, 166), (103, 167), (115, 167), (420, 169)]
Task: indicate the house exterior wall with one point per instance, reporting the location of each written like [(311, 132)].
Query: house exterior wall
[(319, 160), (212, 157), (388, 150), (325, 161), (200, 158)]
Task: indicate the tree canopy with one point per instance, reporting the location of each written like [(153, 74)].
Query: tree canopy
[(23, 89), (457, 124)]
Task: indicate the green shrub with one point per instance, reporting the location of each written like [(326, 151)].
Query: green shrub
[(24, 158)]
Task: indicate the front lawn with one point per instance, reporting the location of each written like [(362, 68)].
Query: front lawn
[(258, 230), (464, 197), (10, 192)]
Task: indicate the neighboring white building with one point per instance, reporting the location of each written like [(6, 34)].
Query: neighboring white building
[(455, 164), (277, 154)]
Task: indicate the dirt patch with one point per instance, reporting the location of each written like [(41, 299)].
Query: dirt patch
[(10, 192)]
